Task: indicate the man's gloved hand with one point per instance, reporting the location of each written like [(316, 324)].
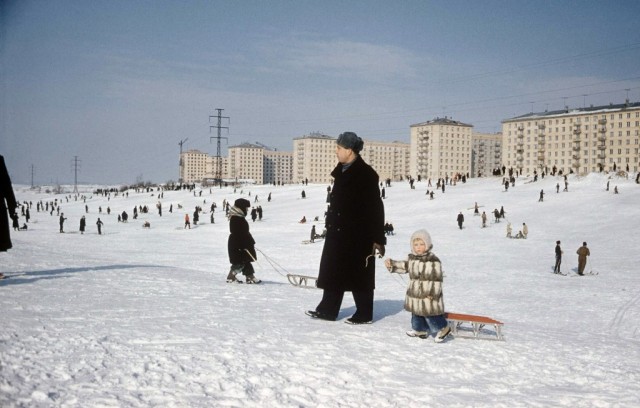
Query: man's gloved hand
[(379, 248)]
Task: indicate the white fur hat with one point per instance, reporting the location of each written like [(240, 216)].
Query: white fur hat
[(423, 235)]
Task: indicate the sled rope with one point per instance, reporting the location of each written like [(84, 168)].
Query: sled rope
[(276, 267)]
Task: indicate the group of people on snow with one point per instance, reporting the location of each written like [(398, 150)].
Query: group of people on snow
[(583, 252)]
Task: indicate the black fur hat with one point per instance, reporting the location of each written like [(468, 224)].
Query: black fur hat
[(350, 140), (242, 203)]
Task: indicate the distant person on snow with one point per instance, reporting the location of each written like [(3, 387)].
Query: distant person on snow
[(583, 252), (99, 224), (424, 294), (83, 224), (460, 219), (556, 268), (241, 243), (484, 219), (509, 230), (62, 219), (187, 223)]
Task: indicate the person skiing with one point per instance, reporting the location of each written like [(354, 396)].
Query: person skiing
[(556, 268), (424, 294), (583, 252), (240, 244), (99, 224), (313, 233), (460, 219), (541, 196)]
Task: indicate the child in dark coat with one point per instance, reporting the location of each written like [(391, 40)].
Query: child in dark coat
[(241, 244)]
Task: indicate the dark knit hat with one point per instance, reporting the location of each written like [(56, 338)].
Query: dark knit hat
[(242, 203), (350, 140)]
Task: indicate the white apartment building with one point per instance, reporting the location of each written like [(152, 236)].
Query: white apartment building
[(246, 163), (583, 140), (277, 167), (486, 153), (314, 158), (390, 160), (195, 166), (440, 148)]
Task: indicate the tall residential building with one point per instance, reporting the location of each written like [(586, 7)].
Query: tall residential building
[(390, 160), (486, 154), (195, 166), (277, 167), (583, 140), (440, 148), (314, 158), (246, 162)]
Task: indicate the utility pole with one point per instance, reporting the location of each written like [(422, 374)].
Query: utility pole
[(218, 173), (181, 162), (32, 172), (76, 164)]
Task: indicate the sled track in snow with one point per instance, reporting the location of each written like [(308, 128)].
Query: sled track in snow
[(619, 319)]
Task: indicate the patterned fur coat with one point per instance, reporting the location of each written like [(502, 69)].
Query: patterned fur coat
[(424, 294)]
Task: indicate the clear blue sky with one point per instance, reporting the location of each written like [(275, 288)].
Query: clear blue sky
[(120, 83)]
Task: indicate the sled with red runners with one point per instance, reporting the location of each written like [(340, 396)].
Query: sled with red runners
[(474, 327)]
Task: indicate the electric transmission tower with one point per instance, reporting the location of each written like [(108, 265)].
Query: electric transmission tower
[(181, 161), (76, 164), (218, 170)]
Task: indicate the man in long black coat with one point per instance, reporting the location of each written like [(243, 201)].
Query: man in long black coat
[(7, 201), (355, 231)]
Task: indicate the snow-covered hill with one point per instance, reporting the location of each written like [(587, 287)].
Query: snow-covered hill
[(143, 317)]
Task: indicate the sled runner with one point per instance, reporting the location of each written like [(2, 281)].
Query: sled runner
[(473, 327), (308, 241), (303, 281), (584, 274)]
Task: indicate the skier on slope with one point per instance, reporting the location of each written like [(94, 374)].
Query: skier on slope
[(241, 243), (583, 252), (558, 251)]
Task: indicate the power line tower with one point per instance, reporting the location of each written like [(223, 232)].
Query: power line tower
[(218, 173), (32, 173), (76, 164), (181, 161)]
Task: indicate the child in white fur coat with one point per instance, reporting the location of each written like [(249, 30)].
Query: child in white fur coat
[(424, 294)]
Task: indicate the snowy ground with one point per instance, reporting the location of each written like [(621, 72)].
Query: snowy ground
[(143, 317)]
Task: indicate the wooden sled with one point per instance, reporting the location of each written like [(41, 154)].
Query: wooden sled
[(473, 327), (303, 281)]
